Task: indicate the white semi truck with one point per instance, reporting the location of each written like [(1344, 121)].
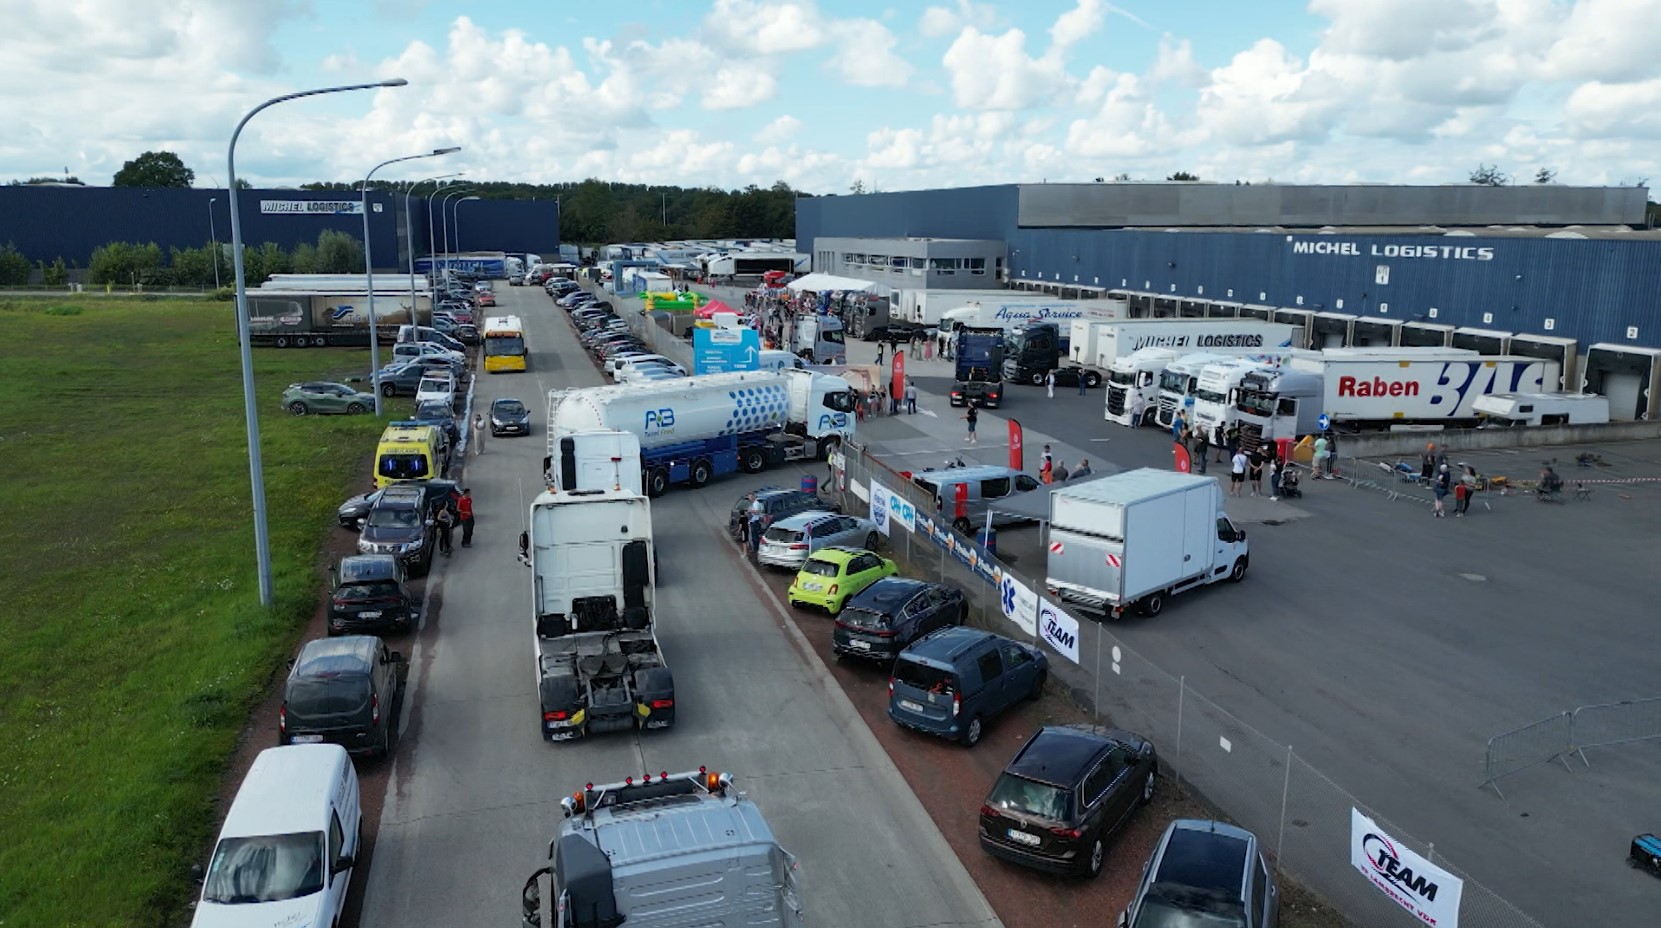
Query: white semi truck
[(664, 851), (693, 429), (1179, 383), (598, 664), (1131, 540), (1111, 346), (597, 459), (1133, 385), (1377, 388), (1214, 394), (819, 339), (925, 307)]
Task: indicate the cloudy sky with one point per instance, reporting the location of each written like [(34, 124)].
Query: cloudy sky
[(895, 95)]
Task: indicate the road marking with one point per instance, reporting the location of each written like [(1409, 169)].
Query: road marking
[(929, 412), (1101, 439)]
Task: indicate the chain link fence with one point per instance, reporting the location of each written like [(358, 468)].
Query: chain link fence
[(1297, 812)]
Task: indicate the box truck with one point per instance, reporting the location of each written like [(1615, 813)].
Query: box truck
[(314, 319), (693, 429), (1093, 346), (1131, 540), (818, 339), (924, 307), (665, 851)]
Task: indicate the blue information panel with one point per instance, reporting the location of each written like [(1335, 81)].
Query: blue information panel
[(719, 351)]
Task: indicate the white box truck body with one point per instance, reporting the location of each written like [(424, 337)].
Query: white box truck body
[(1232, 337), (1513, 410), (924, 307), (1006, 314), (1133, 539)]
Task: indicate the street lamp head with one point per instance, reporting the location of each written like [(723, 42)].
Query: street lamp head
[(393, 82), (465, 199), (447, 151)]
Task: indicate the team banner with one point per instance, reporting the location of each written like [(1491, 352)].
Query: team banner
[(1417, 885), (896, 384), (1058, 629)]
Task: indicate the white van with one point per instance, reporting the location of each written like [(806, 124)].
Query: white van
[(771, 359), (286, 853)]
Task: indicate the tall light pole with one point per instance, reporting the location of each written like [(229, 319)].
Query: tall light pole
[(409, 236), (458, 219), (369, 271), (444, 222), (432, 243), (213, 236), (256, 471)]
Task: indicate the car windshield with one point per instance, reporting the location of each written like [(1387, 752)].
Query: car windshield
[(363, 592), (860, 617), (509, 408), (394, 517), (403, 466), (269, 868), (504, 345), (334, 695), (820, 568), (433, 410), (1122, 378), (1019, 794), (1168, 906)]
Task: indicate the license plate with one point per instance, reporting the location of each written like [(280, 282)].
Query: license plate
[(858, 645), (307, 739), (369, 615), (910, 706), (1021, 837), (811, 586)]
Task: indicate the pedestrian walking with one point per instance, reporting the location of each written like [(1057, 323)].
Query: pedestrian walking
[(1049, 384), (445, 521), (1198, 453), (1237, 477), (464, 510), (1469, 481), (1254, 471), (910, 398), (478, 433), (880, 346), (972, 416), (1443, 483), (1178, 424), (1318, 461), (1219, 441), (1083, 469)]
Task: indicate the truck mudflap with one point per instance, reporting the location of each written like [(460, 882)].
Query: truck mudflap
[(654, 698), (563, 717)]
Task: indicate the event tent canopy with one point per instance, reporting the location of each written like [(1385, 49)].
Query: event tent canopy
[(830, 283), (708, 310)]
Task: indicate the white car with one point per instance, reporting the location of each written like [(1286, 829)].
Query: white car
[(648, 373), (409, 351), (436, 388), (620, 364)]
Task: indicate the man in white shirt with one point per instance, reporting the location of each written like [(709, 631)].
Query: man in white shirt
[(1237, 477)]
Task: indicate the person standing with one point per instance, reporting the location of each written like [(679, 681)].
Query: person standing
[(1081, 387), (1059, 475), (1274, 477), (1318, 460), (972, 416), (1331, 455), (1443, 483), (478, 433), (1254, 470), (757, 524), (1137, 406), (446, 521), (1046, 467), (1049, 384), (1237, 477), (910, 398), (880, 346), (1198, 452), (464, 511), (1178, 424)]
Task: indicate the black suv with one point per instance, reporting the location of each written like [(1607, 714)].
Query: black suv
[(779, 504), (344, 691), (401, 523), (1204, 872), (884, 619), (368, 594), (1066, 793), (352, 512)]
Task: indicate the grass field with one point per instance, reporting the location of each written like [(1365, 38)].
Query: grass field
[(131, 638)]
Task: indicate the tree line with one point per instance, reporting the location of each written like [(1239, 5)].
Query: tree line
[(146, 264)]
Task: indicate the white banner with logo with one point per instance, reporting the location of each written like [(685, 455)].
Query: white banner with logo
[(312, 207), (889, 509), (1019, 603), (1058, 629), (879, 507), (1417, 885)]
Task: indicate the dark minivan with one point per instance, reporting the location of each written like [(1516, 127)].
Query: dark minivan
[(1205, 872), (779, 503), (343, 691), (370, 594), (954, 681), (883, 619), (1066, 793)]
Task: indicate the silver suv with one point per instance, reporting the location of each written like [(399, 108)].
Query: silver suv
[(1205, 872)]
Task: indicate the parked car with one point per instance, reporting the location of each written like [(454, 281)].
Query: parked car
[(509, 416), (343, 691), (831, 575), (956, 680), (486, 298), (884, 619), (440, 364), (316, 396), (776, 503), (618, 365), (409, 351), (400, 379), (423, 333), (400, 523), (1064, 796), (1205, 873), (440, 414), (648, 374), (436, 388), (789, 542), (369, 593), (467, 334), (439, 492), (571, 299)]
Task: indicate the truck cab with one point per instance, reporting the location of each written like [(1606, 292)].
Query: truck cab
[(1133, 384), (819, 340), (1031, 351), (1179, 383), (1271, 403), (980, 364), (1214, 394)]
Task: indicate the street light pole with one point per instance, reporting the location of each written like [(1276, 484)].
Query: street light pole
[(369, 271), (409, 236), (444, 220), (458, 219), (432, 243), (256, 471), (213, 236)]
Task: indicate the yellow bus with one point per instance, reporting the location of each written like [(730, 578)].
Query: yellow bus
[(504, 344)]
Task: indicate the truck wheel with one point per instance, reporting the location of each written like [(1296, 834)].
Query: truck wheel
[(962, 525), (1092, 380), (657, 482), (298, 408), (1036, 378), (700, 474), (752, 461), (1238, 572), (1153, 605), (282, 341), (318, 341)]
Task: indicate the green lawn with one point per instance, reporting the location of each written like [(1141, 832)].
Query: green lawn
[(132, 643)]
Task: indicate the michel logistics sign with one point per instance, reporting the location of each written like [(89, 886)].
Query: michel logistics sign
[(1417, 885)]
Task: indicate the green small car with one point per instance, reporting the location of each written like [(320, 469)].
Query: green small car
[(320, 397)]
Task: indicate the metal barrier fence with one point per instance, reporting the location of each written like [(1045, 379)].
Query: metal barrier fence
[(1297, 812), (1615, 723), (1570, 734)]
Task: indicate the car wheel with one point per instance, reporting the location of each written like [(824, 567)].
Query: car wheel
[(1238, 572), (1092, 380), (962, 525), (700, 473), (972, 732), (871, 541), (1098, 853), (1038, 682), (298, 408), (1147, 789), (355, 408), (1153, 605), (1037, 378), (752, 461), (388, 389), (657, 482)]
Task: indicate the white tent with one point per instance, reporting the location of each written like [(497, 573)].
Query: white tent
[(830, 283)]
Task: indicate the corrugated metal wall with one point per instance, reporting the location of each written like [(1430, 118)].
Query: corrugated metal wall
[(970, 212), (45, 223)]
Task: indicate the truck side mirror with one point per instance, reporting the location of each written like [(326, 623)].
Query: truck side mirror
[(525, 544), (341, 864)]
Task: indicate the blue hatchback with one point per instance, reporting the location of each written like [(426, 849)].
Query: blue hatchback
[(954, 681)]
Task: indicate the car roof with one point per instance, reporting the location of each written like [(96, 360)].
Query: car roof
[(506, 399), (361, 568), (971, 472), (887, 593), (327, 657), (1058, 755), (804, 519), (281, 781), (837, 554), (941, 648), (1206, 855)]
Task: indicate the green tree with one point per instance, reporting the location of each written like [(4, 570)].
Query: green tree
[(193, 267), (1489, 175), (259, 264), (1183, 175), (154, 169), (55, 274), (14, 268), (304, 259), (339, 253), (123, 263)]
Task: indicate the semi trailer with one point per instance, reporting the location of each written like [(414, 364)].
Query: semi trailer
[(315, 319)]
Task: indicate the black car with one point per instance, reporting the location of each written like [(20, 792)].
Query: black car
[(352, 512), (778, 503), (369, 594), (1065, 795), (344, 691), (509, 416), (440, 414), (883, 619), (401, 523)]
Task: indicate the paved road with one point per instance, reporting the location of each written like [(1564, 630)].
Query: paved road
[(474, 793)]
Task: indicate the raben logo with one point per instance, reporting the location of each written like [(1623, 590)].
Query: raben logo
[(659, 421)]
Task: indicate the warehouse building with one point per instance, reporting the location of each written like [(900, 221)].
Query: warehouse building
[(1570, 273)]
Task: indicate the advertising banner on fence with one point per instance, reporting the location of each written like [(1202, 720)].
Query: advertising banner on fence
[(890, 509), (1417, 885), (1058, 629), (1019, 603)]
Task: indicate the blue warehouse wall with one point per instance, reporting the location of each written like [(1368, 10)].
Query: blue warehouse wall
[(970, 212)]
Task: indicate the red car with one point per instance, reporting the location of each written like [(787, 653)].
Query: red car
[(485, 298)]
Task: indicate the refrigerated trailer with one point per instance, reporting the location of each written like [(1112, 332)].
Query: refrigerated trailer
[(311, 319)]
